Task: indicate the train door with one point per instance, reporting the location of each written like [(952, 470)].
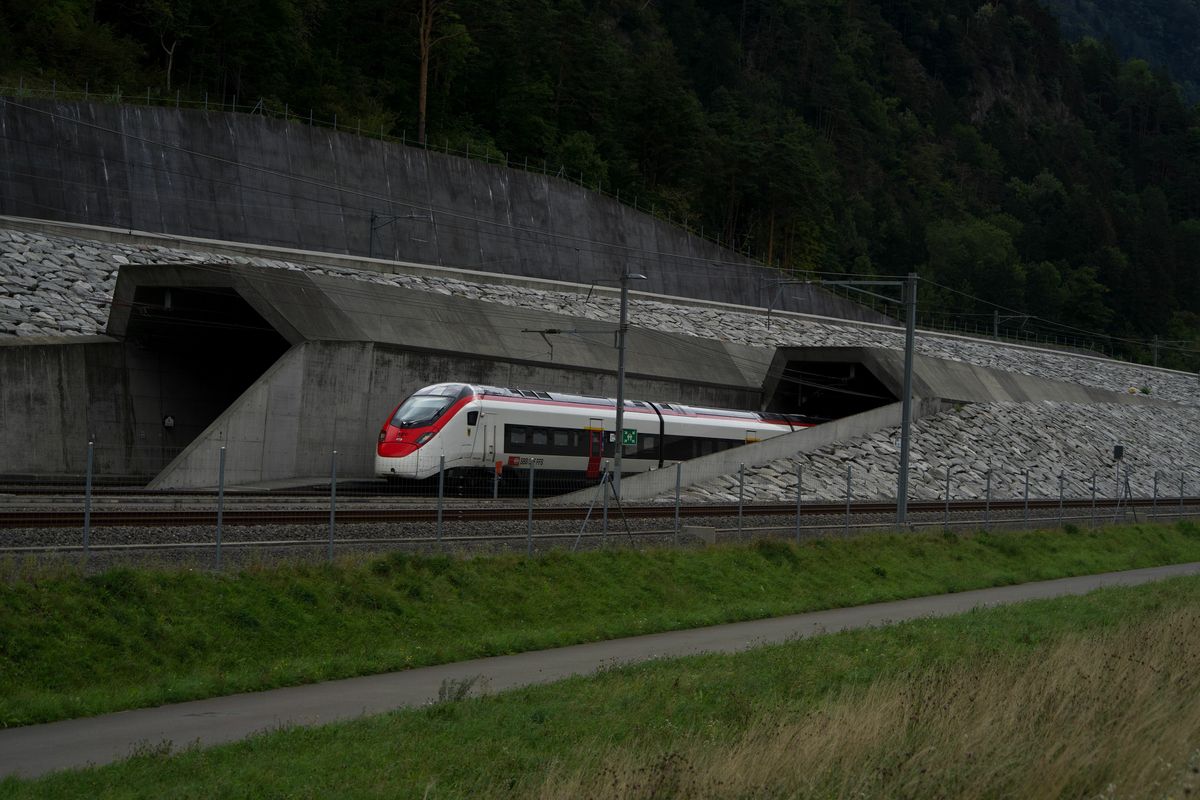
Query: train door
[(595, 446), (471, 447), (487, 438)]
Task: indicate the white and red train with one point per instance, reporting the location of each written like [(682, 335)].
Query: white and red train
[(484, 427)]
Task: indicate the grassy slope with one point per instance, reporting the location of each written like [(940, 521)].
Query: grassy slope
[(73, 645), (503, 746)]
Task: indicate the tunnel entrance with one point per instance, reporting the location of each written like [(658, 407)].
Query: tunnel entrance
[(190, 352), (827, 389)]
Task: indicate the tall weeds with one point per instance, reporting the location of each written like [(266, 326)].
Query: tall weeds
[(1112, 716)]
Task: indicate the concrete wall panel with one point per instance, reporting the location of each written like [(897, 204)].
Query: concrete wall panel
[(249, 178)]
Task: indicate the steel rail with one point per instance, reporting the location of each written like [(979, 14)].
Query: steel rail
[(317, 516), (784, 531)]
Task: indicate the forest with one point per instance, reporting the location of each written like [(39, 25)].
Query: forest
[(1018, 171), (1165, 32)]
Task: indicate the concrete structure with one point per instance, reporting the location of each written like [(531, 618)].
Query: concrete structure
[(248, 178), (828, 381), (283, 367), (872, 386), (56, 395)]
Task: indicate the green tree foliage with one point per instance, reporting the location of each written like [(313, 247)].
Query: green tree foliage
[(964, 139), (1165, 32)]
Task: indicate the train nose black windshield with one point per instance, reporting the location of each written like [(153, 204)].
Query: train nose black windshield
[(420, 410)]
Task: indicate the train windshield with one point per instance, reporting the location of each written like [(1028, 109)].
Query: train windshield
[(421, 410)]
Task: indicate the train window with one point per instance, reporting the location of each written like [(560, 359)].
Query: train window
[(545, 441), (472, 417), (647, 446), (420, 410)]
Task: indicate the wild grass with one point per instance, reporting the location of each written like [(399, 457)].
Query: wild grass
[(1064, 697), (1113, 714), (74, 645)]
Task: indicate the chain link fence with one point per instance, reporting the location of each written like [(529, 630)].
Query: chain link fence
[(104, 516)]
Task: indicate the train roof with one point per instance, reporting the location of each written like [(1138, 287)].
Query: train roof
[(630, 405)]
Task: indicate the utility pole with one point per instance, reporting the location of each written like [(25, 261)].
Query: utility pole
[(910, 299), (626, 277)]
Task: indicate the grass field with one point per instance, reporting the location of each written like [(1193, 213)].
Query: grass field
[(1092, 697), (73, 645)]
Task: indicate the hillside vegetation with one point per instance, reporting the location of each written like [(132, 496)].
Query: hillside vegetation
[(964, 139), (1162, 32)]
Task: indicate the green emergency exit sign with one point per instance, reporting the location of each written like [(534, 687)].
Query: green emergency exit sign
[(628, 436)]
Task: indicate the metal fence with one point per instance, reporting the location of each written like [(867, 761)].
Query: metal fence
[(518, 510)]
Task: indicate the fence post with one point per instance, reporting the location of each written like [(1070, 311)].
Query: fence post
[(1154, 502), (606, 480), (946, 512), (495, 484), (987, 501), (741, 491), (87, 505), (678, 481), (1093, 500), (849, 469), (1026, 498), (441, 494), (1061, 478), (799, 498), (529, 520), (1181, 494), (220, 501), (332, 503)]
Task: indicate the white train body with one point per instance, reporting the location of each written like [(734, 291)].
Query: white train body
[(485, 427)]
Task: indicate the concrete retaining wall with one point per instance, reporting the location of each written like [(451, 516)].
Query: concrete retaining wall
[(57, 396), (248, 178)]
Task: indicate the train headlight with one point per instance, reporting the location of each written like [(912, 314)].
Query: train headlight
[(425, 437)]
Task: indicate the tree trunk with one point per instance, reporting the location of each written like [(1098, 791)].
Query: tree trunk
[(170, 51), (771, 240), (425, 45)]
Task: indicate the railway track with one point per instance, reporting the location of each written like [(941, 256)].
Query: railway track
[(170, 517)]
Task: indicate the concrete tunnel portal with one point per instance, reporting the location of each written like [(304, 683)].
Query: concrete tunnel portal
[(215, 333), (210, 345), (283, 367), (826, 390)]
